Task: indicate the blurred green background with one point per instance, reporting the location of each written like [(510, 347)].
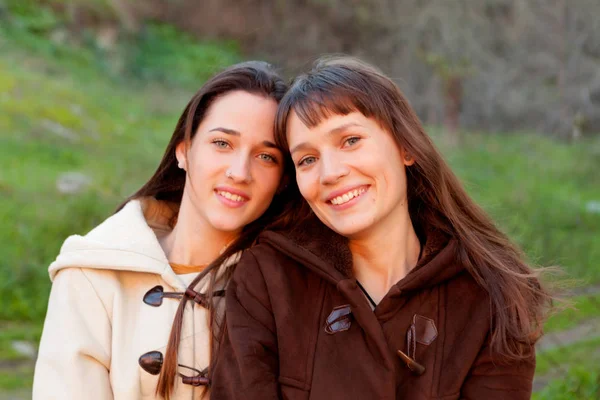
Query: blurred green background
[(90, 92)]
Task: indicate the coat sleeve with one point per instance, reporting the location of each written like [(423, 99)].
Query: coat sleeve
[(74, 354), (247, 365), (493, 379)]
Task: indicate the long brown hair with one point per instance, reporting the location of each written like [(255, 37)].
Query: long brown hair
[(168, 182), (436, 198)]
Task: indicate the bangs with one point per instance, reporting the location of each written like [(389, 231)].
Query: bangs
[(313, 108), (317, 97)]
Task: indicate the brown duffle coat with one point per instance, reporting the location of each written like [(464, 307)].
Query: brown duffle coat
[(299, 327)]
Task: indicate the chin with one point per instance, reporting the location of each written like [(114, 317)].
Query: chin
[(349, 227), (227, 224)]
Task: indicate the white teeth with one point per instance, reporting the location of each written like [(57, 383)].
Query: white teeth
[(231, 196), (346, 197)]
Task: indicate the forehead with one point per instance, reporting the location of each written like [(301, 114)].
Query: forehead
[(241, 111)]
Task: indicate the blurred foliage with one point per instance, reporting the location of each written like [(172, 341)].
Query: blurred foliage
[(157, 53), (537, 190), (161, 53), (583, 353), (581, 308), (579, 383)]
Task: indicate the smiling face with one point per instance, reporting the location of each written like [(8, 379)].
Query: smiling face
[(233, 167), (350, 171)]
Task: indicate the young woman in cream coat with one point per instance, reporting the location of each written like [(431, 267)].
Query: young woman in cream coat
[(140, 294)]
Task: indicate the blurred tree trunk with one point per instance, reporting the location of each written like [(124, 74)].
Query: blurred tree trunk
[(127, 18), (452, 103), (512, 64), (562, 57)]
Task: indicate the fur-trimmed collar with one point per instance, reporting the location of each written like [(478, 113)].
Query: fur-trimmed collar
[(318, 247)]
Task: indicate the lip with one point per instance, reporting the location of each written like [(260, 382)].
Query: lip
[(231, 190), (229, 202), (353, 201), (345, 190)]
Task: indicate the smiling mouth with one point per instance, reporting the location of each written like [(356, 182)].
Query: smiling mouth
[(231, 196), (346, 197)]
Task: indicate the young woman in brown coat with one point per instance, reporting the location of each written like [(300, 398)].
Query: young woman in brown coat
[(395, 285)]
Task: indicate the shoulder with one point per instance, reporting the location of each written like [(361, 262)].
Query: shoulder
[(266, 272), (96, 278), (465, 286), (263, 259), (87, 283)]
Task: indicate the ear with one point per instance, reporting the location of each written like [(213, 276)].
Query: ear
[(181, 155), (407, 159)]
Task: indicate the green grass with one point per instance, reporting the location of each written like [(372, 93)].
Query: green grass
[(16, 370), (17, 332), (583, 353), (537, 190), (579, 383), (117, 139), (580, 309), (16, 377)]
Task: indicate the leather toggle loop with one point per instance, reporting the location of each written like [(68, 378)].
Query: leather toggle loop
[(422, 331), (197, 297), (195, 380), (152, 362), (154, 297), (201, 298)]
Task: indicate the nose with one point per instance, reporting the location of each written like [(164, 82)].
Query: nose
[(239, 169), (332, 169)]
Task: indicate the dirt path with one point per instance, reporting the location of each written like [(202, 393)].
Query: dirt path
[(585, 330), (584, 291)]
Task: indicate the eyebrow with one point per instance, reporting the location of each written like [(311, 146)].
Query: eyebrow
[(233, 132), (333, 131), (226, 130)]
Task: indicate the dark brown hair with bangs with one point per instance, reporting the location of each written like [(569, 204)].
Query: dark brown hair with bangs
[(436, 198)]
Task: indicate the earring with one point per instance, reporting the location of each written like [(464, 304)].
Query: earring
[(407, 157)]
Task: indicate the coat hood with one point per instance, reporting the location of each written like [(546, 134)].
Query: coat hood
[(126, 241), (327, 253)]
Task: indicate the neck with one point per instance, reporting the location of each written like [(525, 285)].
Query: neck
[(385, 254), (193, 241)]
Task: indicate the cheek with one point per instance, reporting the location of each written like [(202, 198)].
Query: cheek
[(395, 181), (307, 185), (269, 182), (204, 163)]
